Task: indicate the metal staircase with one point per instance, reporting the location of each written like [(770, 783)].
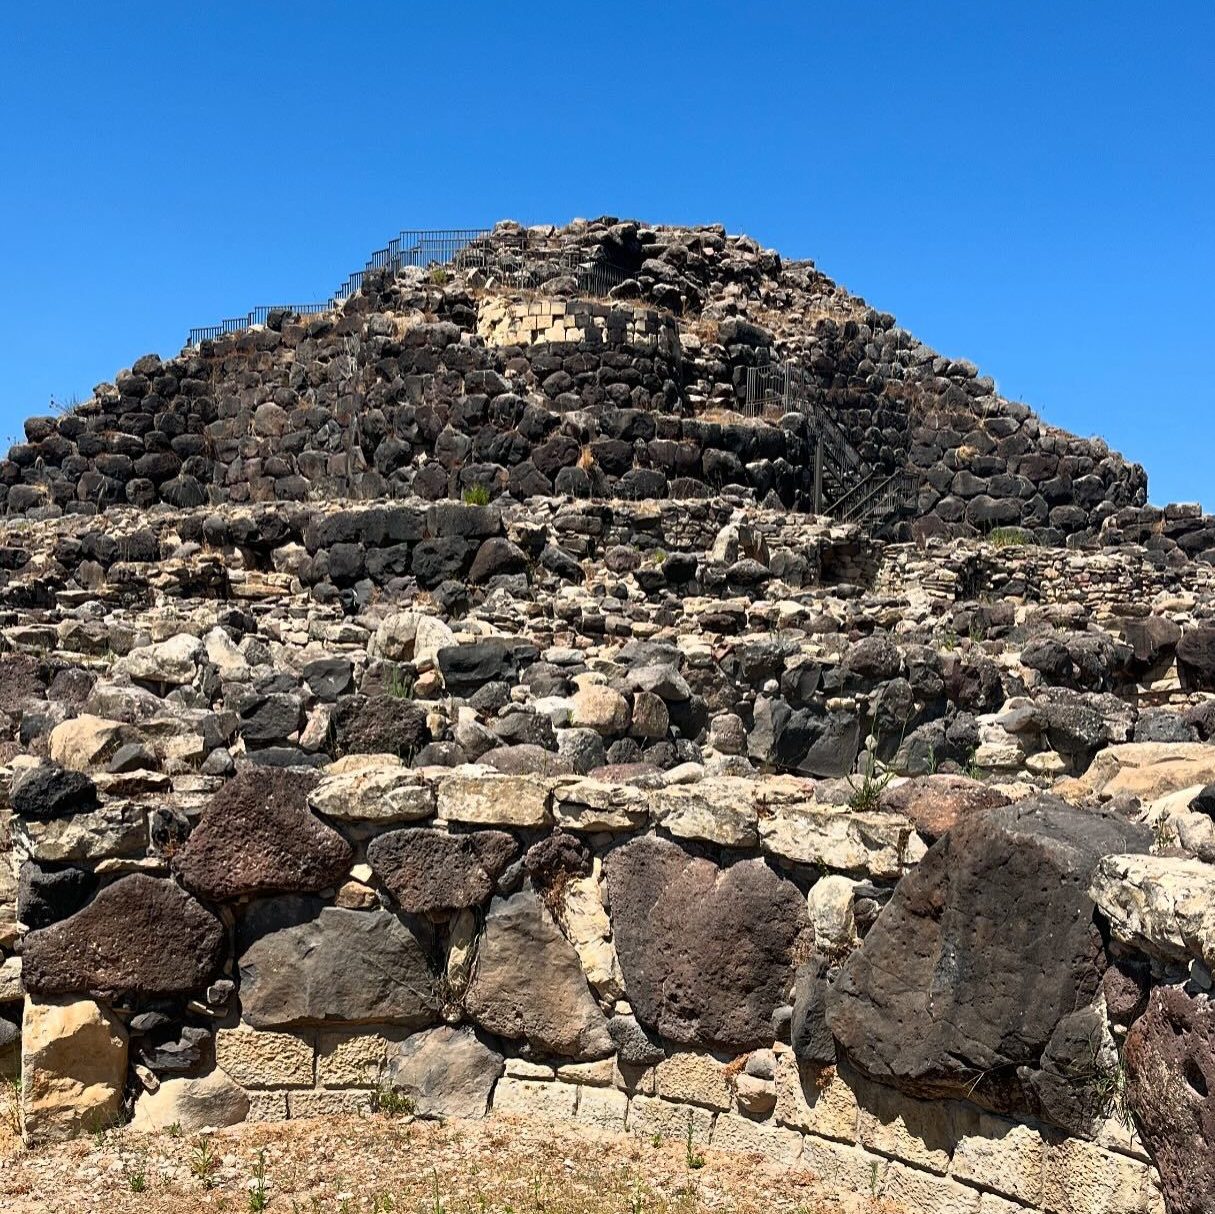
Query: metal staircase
[(846, 487)]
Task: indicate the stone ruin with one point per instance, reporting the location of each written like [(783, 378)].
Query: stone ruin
[(457, 694)]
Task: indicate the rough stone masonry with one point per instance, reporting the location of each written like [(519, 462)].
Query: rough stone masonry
[(455, 695)]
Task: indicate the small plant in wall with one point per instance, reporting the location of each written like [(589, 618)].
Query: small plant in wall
[(867, 794), (476, 495), (694, 1159)]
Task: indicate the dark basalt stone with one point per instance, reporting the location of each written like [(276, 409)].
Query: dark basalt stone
[(258, 836), (706, 952), (430, 871), (1169, 1057), (142, 937), (52, 791), (46, 894), (984, 949), (302, 962), (380, 724)]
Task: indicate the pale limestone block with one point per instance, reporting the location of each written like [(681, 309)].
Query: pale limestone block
[(1002, 1156), (600, 1074), (815, 1100), (654, 1118), (535, 1098), (744, 1136), (926, 1193), (495, 800), (1080, 1178), (352, 1059), (603, 1107), (333, 1103), (694, 1079), (264, 1059), (73, 1067), (266, 1105), (520, 1068), (989, 1203), (919, 1132), (842, 1168)]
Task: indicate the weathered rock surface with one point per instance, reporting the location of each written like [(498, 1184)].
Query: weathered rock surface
[(1170, 1087), (142, 937), (707, 953), (1160, 905), (374, 793), (258, 836), (302, 962), (528, 985), (52, 791), (446, 1072), (936, 803), (980, 954), (432, 871), (73, 1068), (191, 1104)]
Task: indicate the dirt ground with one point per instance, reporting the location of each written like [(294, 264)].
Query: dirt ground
[(380, 1165)]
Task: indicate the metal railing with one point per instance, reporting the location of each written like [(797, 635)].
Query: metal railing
[(506, 256), (412, 247), (865, 494)]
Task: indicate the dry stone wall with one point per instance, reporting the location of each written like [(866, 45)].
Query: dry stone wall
[(434, 385), (622, 792)]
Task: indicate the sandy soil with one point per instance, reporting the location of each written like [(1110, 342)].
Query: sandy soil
[(378, 1165)]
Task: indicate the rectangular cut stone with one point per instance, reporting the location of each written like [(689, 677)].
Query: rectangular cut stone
[(989, 1203), (880, 845), (844, 1169), (267, 1105), (495, 800), (601, 1074), (264, 1059), (1002, 1156), (744, 1136), (520, 1068), (603, 1107), (654, 1118), (534, 1098), (926, 1193), (334, 1103), (815, 1100), (351, 1059), (918, 1132), (694, 1079), (1080, 1178)]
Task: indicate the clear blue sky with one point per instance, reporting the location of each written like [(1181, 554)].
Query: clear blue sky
[(1028, 185)]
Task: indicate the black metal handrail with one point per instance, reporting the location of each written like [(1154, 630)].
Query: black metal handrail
[(868, 495)]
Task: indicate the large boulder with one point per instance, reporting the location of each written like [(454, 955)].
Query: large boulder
[(430, 871), (1196, 658), (1170, 1086), (73, 1068), (258, 836), (707, 952), (302, 962), (142, 937), (446, 1072), (529, 986), (1147, 770), (982, 951)]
